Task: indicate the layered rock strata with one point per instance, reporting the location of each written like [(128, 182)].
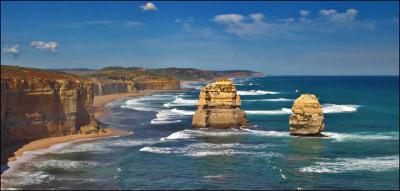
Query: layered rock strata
[(114, 85), (219, 107), (157, 84), (104, 86), (307, 118), (39, 104)]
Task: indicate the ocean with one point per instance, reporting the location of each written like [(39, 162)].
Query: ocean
[(165, 152)]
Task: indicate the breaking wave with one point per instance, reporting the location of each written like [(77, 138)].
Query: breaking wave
[(270, 100), (340, 165), (181, 102), (326, 108), (146, 103), (256, 92), (362, 136), (335, 108), (171, 116), (210, 149), (269, 112)]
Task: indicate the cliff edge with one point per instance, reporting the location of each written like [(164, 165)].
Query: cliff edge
[(38, 104)]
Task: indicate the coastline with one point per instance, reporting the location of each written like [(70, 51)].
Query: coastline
[(101, 111)]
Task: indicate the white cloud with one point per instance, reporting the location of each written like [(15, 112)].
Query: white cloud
[(14, 50), (304, 13), (49, 46), (243, 26), (335, 16), (148, 7), (328, 20), (228, 18), (257, 17)]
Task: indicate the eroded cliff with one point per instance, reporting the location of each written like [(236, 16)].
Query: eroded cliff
[(37, 104), (219, 107), (113, 80), (104, 86), (307, 118)]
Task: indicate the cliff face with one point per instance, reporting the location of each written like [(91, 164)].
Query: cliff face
[(103, 86), (219, 107), (112, 80), (158, 84), (307, 117), (37, 104)]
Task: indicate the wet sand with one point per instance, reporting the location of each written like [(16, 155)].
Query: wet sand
[(48, 142)]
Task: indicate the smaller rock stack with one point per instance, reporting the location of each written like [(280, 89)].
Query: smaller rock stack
[(307, 118), (219, 107)]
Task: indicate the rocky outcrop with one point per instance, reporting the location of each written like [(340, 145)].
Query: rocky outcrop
[(219, 107), (104, 86), (307, 118), (38, 104)]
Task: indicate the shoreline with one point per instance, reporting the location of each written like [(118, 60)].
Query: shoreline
[(100, 112)]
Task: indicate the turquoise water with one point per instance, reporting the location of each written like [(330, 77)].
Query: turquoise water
[(362, 152)]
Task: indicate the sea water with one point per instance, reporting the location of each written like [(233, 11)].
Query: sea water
[(165, 152)]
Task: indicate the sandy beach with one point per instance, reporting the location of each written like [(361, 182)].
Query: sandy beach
[(48, 142), (101, 111)]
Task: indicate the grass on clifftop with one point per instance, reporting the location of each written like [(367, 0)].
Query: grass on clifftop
[(18, 72), (121, 72)]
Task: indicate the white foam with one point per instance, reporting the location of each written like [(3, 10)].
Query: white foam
[(192, 86), (21, 178), (340, 165), (267, 133), (181, 102), (256, 92), (362, 136), (65, 164), (147, 103), (184, 134), (335, 108), (271, 100), (210, 149), (171, 116), (326, 108), (191, 134), (182, 112), (269, 112), (156, 150), (217, 176)]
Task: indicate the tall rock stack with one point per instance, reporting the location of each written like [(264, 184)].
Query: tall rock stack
[(307, 118), (219, 107)]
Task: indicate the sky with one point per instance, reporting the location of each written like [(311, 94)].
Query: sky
[(277, 38)]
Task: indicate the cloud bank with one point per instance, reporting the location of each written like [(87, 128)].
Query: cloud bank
[(327, 20)]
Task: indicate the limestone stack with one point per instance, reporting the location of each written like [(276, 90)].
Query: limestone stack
[(219, 107), (307, 118)]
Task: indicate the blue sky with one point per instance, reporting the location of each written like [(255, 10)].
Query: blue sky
[(277, 38)]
